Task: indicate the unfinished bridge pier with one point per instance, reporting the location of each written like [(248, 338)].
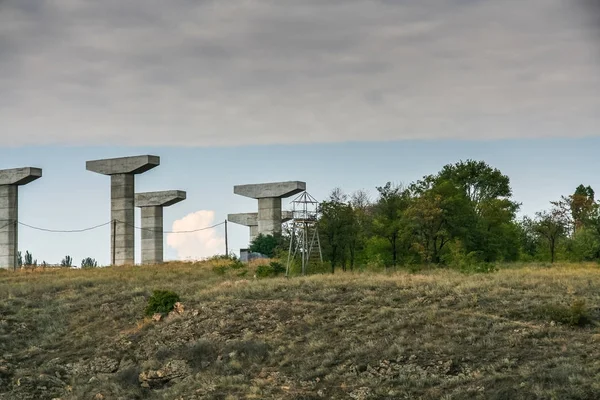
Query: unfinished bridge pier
[(122, 172), (152, 205), (10, 180), (269, 197), (251, 220)]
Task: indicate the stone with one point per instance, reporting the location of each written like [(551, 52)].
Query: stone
[(173, 370)]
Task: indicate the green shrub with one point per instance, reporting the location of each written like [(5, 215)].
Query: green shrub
[(89, 263), (235, 265), (67, 262), (273, 269), (161, 302), (576, 314), (267, 245)]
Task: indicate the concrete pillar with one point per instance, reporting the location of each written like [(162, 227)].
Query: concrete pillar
[(269, 197), (152, 204), (122, 172), (269, 215), (10, 180), (251, 220)]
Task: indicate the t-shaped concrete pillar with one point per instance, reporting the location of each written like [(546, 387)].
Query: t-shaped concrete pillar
[(269, 197), (251, 220), (152, 204), (10, 180), (122, 172)]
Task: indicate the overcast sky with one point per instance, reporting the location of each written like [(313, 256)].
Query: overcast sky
[(214, 72)]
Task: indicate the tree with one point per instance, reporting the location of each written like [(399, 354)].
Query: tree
[(363, 214), (338, 228), (552, 226), (388, 219), (89, 263), (495, 234), (28, 260), (267, 244), (67, 262), (439, 212), (582, 204), (529, 238), (480, 181)]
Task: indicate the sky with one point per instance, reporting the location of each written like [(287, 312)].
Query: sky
[(348, 93)]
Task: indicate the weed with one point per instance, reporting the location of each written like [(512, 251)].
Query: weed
[(161, 302), (273, 269), (576, 314)]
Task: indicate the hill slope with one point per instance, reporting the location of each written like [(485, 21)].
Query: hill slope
[(74, 334)]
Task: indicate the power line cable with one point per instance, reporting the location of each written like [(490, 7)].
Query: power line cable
[(175, 232), (65, 231), (9, 224)]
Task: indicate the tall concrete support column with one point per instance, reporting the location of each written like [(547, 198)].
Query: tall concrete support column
[(269, 215), (152, 204), (10, 180), (251, 220), (122, 172), (269, 197)]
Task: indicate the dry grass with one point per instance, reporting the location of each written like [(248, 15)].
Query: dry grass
[(434, 335)]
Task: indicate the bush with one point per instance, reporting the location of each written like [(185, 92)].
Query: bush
[(67, 262), (267, 245), (234, 265), (273, 269), (161, 302), (89, 263), (574, 315)]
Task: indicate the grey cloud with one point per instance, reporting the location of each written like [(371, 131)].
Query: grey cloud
[(201, 73)]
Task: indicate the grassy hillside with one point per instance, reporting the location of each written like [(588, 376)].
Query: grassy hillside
[(513, 334)]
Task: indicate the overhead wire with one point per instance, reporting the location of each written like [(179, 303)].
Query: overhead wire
[(175, 232), (65, 231), (108, 223)]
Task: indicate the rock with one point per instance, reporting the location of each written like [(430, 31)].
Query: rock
[(178, 308), (156, 317), (362, 393), (104, 365), (175, 369)]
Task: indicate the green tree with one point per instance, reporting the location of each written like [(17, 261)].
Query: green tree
[(552, 226), (337, 228), (495, 235), (388, 218), (28, 260), (480, 181), (582, 205), (89, 263), (67, 262), (267, 245), (439, 213), (586, 245), (362, 227)]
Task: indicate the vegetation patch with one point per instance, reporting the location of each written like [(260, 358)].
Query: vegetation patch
[(161, 302), (576, 314)]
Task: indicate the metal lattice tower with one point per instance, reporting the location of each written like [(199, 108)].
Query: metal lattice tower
[(304, 240)]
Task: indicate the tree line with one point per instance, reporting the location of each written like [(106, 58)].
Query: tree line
[(463, 216)]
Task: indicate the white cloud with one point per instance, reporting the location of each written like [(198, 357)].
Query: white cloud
[(196, 245), (205, 73)]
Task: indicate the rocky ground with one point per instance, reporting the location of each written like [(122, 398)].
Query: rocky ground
[(82, 335)]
